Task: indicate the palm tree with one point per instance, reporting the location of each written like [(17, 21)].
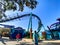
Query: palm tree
[(11, 4)]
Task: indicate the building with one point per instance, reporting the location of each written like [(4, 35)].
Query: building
[(15, 31), (11, 31)]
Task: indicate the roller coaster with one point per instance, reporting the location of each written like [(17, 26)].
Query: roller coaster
[(22, 16), (55, 29)]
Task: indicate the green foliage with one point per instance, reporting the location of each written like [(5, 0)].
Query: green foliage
[(29, 3), (4, 31), (0, 16), (11, 5), (27, 35)]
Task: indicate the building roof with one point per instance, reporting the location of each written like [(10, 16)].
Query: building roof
[(19, 28), (7, 26)]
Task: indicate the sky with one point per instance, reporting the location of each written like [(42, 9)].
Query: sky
[(47, 10)]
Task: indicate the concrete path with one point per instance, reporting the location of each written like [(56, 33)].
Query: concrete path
[(6, 41)]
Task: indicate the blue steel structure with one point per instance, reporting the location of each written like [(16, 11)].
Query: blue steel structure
[(22, 16), (54, 30), (30, 21)]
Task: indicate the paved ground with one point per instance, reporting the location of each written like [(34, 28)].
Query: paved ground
[(6, 41)]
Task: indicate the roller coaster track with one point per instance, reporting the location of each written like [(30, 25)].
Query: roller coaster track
[(18, 17), (9, 19), (54, 26)]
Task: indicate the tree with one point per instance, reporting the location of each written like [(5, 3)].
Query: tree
[(11, 4)]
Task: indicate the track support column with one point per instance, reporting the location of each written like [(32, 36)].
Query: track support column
[(30, 33)]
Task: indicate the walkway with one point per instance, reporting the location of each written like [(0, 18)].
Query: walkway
[(28, 42)]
